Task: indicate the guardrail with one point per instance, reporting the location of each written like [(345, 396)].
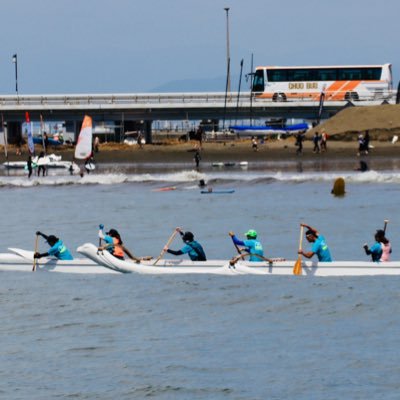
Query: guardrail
[(213, 98)]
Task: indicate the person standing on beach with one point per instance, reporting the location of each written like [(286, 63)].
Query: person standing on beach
[(251, 244), (319, 246), (40, 163), (197, 158), (96, 144), (316, 140), (299, 143), (366, 142), (254, 143), (324, 140), (192, 248), (361, 144), (29, 166)]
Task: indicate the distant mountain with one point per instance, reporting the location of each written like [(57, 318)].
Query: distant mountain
[(198, 85)]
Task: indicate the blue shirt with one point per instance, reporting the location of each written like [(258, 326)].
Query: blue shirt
[(376, 251), (60, 251), (320, 248), (253, 246), (194, 255)]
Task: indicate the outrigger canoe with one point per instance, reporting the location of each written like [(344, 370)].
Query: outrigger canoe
[(22, 261), (240, 267)]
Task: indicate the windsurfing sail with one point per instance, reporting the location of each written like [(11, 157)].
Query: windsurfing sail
[(84, 146), (31, 145)]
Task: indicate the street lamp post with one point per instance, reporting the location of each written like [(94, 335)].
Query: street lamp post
[(227, 50), (15, 61)]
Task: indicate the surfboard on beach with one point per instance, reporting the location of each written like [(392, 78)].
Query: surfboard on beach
[(230, 164)]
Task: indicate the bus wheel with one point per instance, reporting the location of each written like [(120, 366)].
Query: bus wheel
[(279, 97), (352, 96)]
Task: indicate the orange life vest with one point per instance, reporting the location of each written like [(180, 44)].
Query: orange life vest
[(118, 250)]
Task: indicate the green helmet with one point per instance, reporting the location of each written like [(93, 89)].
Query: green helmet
[(251, 233)]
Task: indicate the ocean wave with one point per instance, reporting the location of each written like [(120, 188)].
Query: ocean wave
[(190, 178)]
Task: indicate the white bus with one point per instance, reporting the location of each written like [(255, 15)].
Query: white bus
[(341, 82)]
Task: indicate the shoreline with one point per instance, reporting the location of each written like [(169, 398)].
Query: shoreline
[(235, 151)]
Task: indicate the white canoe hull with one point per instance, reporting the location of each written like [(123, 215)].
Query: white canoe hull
[(22, 261), (222, 267)]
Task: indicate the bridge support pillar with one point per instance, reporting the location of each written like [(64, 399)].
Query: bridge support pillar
[(14, 132), (71, 127), (148, 132)]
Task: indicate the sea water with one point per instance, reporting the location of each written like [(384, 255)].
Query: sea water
[(200, 337)]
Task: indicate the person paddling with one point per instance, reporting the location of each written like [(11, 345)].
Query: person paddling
[(113, 242), (251, 244), (57, 248), (381, 249), (319, 246), (192, 248)]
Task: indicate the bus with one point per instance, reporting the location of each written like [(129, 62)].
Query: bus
[(338, 83)]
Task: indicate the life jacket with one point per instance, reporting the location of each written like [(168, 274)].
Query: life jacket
[(118, 250), (386, 250)]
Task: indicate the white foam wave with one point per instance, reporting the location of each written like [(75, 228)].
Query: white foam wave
[(191, 176)]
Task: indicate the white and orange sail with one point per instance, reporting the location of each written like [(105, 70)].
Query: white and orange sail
[(84, 145)]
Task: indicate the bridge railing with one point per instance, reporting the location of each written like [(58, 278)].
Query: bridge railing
[(141, 99)]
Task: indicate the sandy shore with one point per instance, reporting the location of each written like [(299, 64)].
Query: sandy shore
[(225, 151)]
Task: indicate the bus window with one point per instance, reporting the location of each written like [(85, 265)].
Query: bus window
[(326, 74), (277, 75), (258, 81)]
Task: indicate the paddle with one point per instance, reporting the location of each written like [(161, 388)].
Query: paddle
[(171, 238), (385, 225), (101, 227), (36, 249), (297, 265)]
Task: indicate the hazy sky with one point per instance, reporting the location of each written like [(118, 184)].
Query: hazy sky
[(115, 46)]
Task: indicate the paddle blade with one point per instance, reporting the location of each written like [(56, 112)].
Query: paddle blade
[(297, 267)]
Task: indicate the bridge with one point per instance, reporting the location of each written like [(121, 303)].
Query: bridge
[(132, 110)]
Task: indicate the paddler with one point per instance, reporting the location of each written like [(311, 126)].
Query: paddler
[(57, 248), (113, 242), (319, 246), (251, 244), (381, 249), (193, 248)]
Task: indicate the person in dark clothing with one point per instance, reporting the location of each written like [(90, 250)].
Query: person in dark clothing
[(29, 166), (366, 142), (45, 142), (299, 143), (316, 140), (191, 247), (197, 158)]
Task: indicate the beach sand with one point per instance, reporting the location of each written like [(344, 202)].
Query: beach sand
[(382, 122), (238, 150)]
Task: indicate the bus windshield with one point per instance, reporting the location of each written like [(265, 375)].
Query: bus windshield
[(258, 81)]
